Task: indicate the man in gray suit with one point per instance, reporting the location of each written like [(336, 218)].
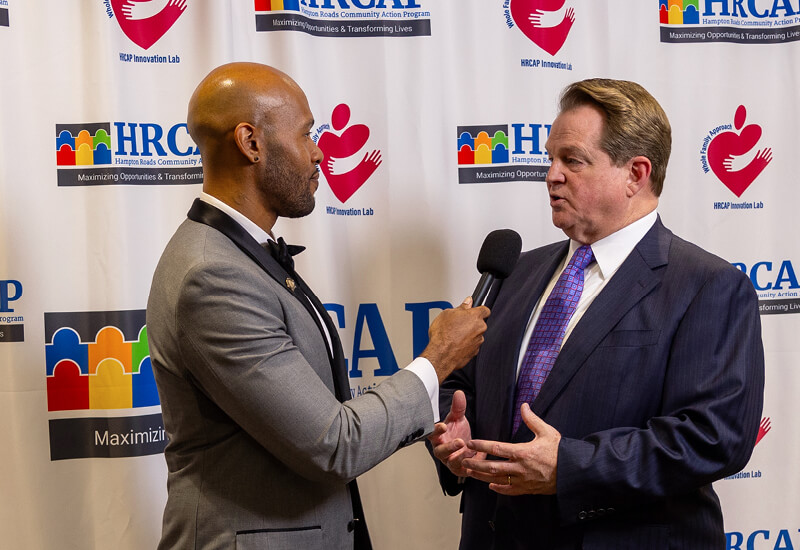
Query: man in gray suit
[(264, 440)]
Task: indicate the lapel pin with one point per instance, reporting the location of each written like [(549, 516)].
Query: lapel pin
[(290, 284)]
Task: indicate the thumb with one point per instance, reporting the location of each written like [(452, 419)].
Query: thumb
[(534, 423), (467, 303), (458, 407)]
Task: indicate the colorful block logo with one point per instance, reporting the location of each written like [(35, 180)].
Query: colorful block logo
[(83, 144), (483, 145), (98, 360), (277, 5), (679, 12)]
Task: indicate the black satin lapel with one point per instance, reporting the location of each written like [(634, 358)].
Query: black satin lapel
[(341, 379), (636, 278), (204, 213)]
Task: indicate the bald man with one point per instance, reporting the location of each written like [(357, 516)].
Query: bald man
[(264, 440)]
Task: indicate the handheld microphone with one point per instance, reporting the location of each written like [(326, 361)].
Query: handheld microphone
[(496, 260)]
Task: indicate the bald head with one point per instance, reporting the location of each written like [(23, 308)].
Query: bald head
[(253, 124), (232, 94)]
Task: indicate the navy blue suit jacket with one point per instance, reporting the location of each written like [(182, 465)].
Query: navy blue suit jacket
[(656, 393)]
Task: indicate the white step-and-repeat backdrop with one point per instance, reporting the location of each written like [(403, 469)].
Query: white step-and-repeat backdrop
[(434, 113)]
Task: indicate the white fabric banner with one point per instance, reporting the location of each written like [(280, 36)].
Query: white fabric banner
[(433, 116)]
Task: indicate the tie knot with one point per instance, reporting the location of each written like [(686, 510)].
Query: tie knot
[(582, 257)]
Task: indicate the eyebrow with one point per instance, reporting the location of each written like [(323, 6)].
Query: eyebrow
[(569, 150)]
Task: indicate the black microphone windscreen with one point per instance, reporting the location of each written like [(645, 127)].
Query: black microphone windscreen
[(499, 253)]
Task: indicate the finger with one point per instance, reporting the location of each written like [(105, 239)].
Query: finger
[(459, 456), (491, 468), (495, 448), (483, 311), (439, 429), (467, 303), (505, 489), (446, 449), (486, 478)]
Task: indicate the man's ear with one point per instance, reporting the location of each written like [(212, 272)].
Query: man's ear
[(247, 140), (639, 170)]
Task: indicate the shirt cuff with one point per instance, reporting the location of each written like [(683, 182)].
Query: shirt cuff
[(427, 374)]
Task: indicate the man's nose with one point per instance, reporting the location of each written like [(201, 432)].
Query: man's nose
[(317, 155), (554, 174)]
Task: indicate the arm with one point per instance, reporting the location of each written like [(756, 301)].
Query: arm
[(262, 361)]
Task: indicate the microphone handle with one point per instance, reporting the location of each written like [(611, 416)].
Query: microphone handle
[(484, 284)]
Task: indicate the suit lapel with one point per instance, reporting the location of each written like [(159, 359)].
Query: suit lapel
[(204, 213), (636, 277)]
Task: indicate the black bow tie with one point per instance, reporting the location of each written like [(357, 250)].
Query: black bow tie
[(283, 252)]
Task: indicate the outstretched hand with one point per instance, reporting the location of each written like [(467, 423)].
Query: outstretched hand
[(449, 438), (528, 469)]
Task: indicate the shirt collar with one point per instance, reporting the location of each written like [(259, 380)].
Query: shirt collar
[(611, 251), (251, 227)]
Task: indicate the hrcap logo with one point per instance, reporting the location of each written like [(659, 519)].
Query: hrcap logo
[(146, 21), (727, 148), (339, 148), (542, 22)]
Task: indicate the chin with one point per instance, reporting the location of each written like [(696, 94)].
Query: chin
[(307, 209)]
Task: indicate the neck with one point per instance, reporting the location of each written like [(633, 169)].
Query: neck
[(241, 195)]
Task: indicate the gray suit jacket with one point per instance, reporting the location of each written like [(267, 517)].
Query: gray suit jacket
[(260, 450)]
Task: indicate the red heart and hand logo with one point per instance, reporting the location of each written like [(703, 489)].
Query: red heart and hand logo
[(340, 147), (146, 21), (527, 15), (726, 146)]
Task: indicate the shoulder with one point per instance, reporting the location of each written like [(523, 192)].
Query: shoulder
[(689, 258), (690, 270)]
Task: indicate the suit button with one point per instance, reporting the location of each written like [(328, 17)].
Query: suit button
[(590, 514), (610, 510), (601, 512), (582, 516), (351, 525)]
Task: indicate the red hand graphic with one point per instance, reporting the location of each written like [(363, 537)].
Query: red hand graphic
[(727, 145), (527, 16), (763, 428)]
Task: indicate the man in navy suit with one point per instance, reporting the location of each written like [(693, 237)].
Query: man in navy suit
[(656, 386)]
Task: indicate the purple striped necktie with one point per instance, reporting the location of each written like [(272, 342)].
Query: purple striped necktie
[(545, 342)]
